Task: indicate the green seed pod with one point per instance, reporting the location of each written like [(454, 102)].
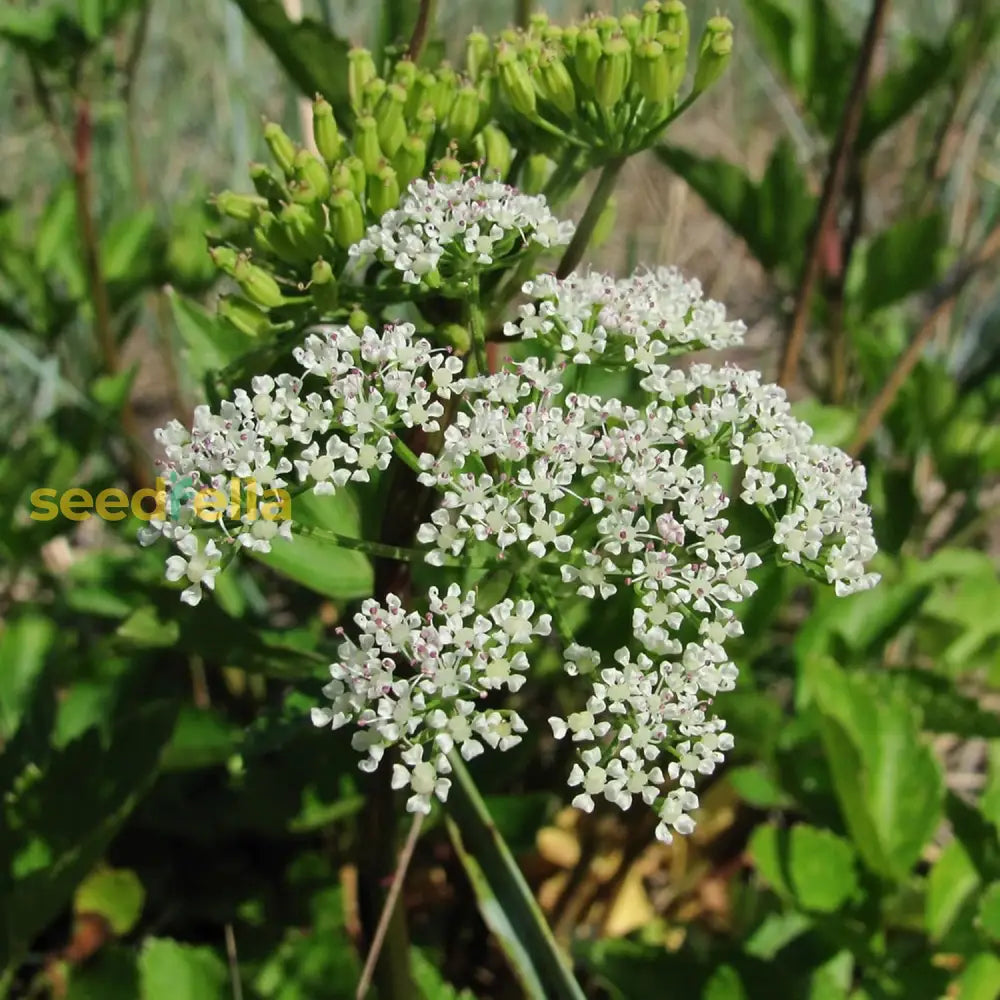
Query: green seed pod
[(515, 82), (464, 116), (537, 171), (419, 93), (404, 73), (347, 222), (359, 176), (630, 25), (713, 53), (360, 70), (326, 135), (448, 169), (554, 82), (282, 148), (390, 117), (366, 144), (426, 123), (510, 36), (443, 93), (607, 26), (537, 23), (267, 184), (477, 53), (570, 37), (457, 337), (487, 89), (244, 315), (257, 285), (305, 226), (674, 18), (224, 258), (340, 176), (270, 238), (588, 54), (652, 72), (498, 152), (673, 49), (613, 72), (313, 178), (358, 319), (323, 286), (605, 222), (383, 191), (242, 207), (372, 94), (410, 160), (649, 26)]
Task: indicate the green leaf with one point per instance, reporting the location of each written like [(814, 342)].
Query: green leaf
[(887, 780), (24, 644), (899, 261), (814, 867), (506, 903), (169, 970), (113, 893), (202, 738), (725, 984), (314, 57), (988, 915), (146, 630), (429, 981), (951, 882), (211, 344), (46, 33), (111, 975), (981, 978), (322, 566), (977, 835)]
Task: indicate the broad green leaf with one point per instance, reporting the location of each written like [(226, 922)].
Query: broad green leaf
[(24, 644), (756, 786), (887, 780), (988, 915), (169, 970), (145, 629), (814, 867), (314, 57), (113, 893), (505, 901), (977, 835), (211, 344), (724, 984), (202, 738), (322, 566), (899, 261), (951, 882), (981, 978)]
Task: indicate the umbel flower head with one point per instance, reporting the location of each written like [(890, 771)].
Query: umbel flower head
[(576, 497)]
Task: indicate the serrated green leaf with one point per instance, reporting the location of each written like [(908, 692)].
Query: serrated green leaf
[(169, 970), (116, 894)]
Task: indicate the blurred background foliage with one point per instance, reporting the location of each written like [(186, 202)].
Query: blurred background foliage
[(174, 830)]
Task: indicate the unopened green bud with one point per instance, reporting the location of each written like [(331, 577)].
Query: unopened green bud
[(464, 116), (267, 183), (537, 23), (304, 225), (713, 53), (477, 52), (358, 319), (497, 150), (652, 72), (243, 207), (442, 94), (359, 176), (448, 169), (605, 222), (282, 148), (410, 160), (257, 285), (419, 93), (554, 82), (404, 72), (242, 314), (630, 25), (326, 135), (313, 178), (366, 144), (323, 286), (271, 237), (390, 118), (360, 70), (225, 259), (510, 36), (612, 72), (537, 171), (347, 223), (372, 94), (570, 36), (383, 191), (674, 18), (322, 273), (676, 53), (649, 25), (588, 54), (426, 123), (516, 82), (606, 26), (457, 337)]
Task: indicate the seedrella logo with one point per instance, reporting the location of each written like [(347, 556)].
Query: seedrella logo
[(180, 489)]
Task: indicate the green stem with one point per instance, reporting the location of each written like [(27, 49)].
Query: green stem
[(406, 453), (585, 230), (477, 327), (378, 549)]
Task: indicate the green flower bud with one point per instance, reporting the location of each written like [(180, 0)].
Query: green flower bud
[(607, 26), (649, 26), (674, 18), (242, 314), (570, 36), (464, 116), (242, 207), (612, 72), (419, 93), (676, 53), (477, 53), (257, 285), (313, 178), (537, 171), (326, 135), (390, 117), (510, 36), (372, 94), (588, 54), (358, 319), (305, 227), (410, 160), (630, 25), (404, 73), (347, 222), (652, 72), (516, 82), (487, 90), (443, 93), (497, 151), (360, 70), (426, 123), (366, 144), (713, 53), (457, 337), (224, 258), (383, 191), (282, 148), (323, 286), (605, 222), (340, 176), (271, 237), (554, 82), (267, 183), (537, 23), (448, 169), (359, 176)]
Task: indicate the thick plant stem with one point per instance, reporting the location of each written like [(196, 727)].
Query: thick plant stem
[(585, 230), (425, 17), (477, 328), (830, 198)]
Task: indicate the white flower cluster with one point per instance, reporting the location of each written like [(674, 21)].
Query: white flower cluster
[(637, 321), (580, 496), (414, 682), (448, 229)]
